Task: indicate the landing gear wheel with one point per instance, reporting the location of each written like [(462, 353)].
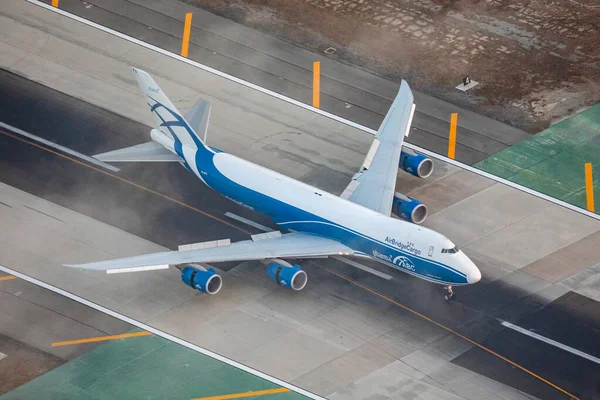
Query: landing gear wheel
[(450, 295)]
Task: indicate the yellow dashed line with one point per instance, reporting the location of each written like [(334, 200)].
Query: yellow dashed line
[(482, 347), (124, 180), (328, 270), (244, 394), (101, 338)]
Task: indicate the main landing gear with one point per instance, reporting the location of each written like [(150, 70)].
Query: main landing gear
[(449, 295)]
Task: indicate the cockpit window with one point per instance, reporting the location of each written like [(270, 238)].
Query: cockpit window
[(452, 250)]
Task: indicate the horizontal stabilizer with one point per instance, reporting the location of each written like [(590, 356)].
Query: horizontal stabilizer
[(147, 152)]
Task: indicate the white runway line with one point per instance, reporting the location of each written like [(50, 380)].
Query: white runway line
[(248, 222), (316, 110), (160, 333), (59, 147), (551, 342), (363, 267)]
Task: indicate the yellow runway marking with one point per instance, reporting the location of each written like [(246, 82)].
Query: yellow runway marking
[(589, 187), (452, 138), (7, 278), (482, 347), (245, 394), (317, 84), (326, 269), (125, 181), (185, 43), (101, 338)]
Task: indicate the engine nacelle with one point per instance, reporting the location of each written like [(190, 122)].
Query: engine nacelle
[(415, 164), (202, 279), (289, 277), (409, 209)]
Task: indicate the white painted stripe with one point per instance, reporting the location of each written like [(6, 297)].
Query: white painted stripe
[(2, 355), (248, 222), (160, 333), (551, 342), (363, 267), (316, 110), (59, 147)]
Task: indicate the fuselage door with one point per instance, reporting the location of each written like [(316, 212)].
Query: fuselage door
[(430, 251)]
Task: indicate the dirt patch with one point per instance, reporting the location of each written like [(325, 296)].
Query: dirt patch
[(21, 363), (537, 61)]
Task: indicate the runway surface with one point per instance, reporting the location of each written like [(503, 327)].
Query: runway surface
[(98, 365), (147, 215), (274, 64), (356, 334), (32, 319)]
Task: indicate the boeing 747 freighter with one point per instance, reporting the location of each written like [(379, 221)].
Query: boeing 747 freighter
[(317, 224)]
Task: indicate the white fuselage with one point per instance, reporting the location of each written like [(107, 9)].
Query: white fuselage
[(300, 207)]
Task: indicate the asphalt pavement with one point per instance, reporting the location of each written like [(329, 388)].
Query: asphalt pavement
[(90, 130), (129, 200), (32, 319), (274, 64)]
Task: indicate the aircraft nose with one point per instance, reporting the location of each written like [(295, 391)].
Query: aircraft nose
[(474, 275)]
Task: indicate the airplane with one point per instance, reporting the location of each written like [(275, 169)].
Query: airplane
[(356, 224)]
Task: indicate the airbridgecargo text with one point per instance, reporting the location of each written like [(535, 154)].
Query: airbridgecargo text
[(408, 247)]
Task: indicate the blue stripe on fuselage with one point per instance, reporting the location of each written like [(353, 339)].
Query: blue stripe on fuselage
[(299, 220), (423, 267), (291, 217)]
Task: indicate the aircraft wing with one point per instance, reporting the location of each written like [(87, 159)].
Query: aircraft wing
[(374, 185), (262, 247)]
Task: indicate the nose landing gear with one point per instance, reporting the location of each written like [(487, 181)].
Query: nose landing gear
[(449, 295)]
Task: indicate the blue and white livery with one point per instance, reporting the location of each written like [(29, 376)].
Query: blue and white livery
[(356, 224)]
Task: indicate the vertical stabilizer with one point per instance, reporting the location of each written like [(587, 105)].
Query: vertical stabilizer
[(168, 119), (198, 116)]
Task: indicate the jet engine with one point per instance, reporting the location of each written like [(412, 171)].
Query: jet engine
[(291, 276), (409, 209), (415, 164), (202, 279)]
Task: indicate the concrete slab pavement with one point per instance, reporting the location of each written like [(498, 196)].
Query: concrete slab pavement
[(361, 317)]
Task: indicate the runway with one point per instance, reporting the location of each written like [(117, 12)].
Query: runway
[(32, 319), (274, 64), (356, 334)]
